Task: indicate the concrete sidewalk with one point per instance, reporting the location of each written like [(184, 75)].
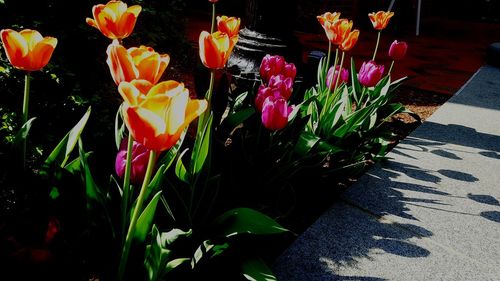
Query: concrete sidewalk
[(430, 213)]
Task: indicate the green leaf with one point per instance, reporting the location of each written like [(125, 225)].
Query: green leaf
[(92, 191), (157, 258), (238, 102), (180, 169), (63, 150), (154, 184), (22, 134), (356, 86), (257, 270), (119, 127), (201, 148), (75, 166), (237, 118), (305, 143), (207, 250), (247, 221), (145, 221)]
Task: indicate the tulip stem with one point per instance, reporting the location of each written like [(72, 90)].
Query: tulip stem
[(339, 73), (334, 68), (25, 112), (376, 46), (327, 64), (126, 183), (212, 29), (135, 215), (390, 68)]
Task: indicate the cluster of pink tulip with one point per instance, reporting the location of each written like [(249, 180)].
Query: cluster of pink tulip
[(272, 97)]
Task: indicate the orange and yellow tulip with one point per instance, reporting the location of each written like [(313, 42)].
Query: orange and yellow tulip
[(215, 49), (337, 30), (27, 50), (228, 25), (349, 41), (115, 20), (380, 19), (156, 115), (328, 17), (136, 63)]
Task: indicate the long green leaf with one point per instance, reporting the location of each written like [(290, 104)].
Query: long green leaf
[(63, 150), (119, 127), (22, 134), (145, 221), (247, 221), (257, 270), (305, 143), (356, 86), (237, 118), (180, 169), (201, 148)]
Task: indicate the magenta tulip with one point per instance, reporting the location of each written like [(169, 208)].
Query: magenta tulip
[(274, 65), (140, 158), (263, 93), (275, 113), (283, 84), (344, 76), (370, 73), (397, 50)]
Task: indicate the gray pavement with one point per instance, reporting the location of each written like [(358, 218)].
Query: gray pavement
[(432, 212)]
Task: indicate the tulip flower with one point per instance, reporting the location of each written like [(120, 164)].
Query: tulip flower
[(349, 41), (283, 84), (370, 74), (344, 76), (275, 65), (157, 115), (140, 159), (215, 49), (115, 20), (228, 25), (275, 112), (327, 20), (380, 19), (27, 50), (135, 63), (397, 50), (264, 92)]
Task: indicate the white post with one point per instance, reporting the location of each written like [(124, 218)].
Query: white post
[(391, 5), (419, 9)]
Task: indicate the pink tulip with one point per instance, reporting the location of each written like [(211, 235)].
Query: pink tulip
[(275, 113), (263, 93), (397, 50), (370, 73), (344, 76), (140, 158), (283, 84), (274, 65)]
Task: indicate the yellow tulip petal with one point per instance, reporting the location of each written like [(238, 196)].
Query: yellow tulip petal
[(91, 22), (32, 37), (129, 93), (135, 10), (42, 52), (121, 64), (117, 8), (15, 47), (175, 115), (103, 21)]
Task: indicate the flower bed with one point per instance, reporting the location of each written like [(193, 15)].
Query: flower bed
[(213, 201)]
